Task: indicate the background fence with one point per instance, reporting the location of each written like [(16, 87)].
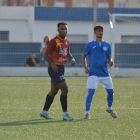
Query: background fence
[(22, 30), (15, 54)]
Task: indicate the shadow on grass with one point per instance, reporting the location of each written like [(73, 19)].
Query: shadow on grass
[(41, 121)]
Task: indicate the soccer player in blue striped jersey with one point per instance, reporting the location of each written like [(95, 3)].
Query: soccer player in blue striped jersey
[(99, 53)]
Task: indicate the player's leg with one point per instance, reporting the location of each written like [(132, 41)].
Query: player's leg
[(51, 94), (110, 98), (63, 99), (88, 102), (49, 100), (61, 84), (107, 83), (92, 84)]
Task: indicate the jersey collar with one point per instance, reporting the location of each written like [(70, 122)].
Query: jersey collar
[(60, 38), (97, 41)]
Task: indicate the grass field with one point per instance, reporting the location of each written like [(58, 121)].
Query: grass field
[(22, 100)]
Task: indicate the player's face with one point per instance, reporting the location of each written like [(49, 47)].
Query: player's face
[(99, 33), (62, 30)]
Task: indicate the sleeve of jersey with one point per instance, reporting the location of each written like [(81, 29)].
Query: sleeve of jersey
[(109, 51), (51, 45), (86, 51)]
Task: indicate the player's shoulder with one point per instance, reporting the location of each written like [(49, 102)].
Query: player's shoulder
[(91, 43), (66, 39), (107, 43), (53, 39)]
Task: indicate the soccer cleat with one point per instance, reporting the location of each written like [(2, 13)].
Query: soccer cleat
[(113, 114), (46, 116), (86, 116), (67, 117)]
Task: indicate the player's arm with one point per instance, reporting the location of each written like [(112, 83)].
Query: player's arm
[(110, 62), (84, 61), (70, 57), (47, 58)]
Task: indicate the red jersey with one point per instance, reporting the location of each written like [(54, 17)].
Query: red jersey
[(58, 49)]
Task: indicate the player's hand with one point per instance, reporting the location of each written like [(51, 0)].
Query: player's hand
[(54, 68), (87, 70), (111, 63), (73, 63)]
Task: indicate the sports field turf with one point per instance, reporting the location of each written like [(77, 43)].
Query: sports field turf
[(22, 100)]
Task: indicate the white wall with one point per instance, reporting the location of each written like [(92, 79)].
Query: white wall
[(15, 20), (14, 13), (20, 23), (22, 27), (132, 28), (18, 30)]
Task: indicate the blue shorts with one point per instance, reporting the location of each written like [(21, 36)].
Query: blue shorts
[(56, 78)]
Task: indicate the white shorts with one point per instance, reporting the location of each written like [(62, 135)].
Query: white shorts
[(92, 82)]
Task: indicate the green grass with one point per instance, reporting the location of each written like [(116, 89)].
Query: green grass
[(22, 100)]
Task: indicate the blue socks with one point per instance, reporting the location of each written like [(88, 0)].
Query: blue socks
[(110, 97), (89, 98)]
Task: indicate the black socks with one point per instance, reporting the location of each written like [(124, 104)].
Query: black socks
[(49, 100), (63, 100)]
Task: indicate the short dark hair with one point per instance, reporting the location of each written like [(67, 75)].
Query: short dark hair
[(98, 27), (61, 23)]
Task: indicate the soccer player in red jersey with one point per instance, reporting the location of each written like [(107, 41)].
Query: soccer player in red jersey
[(56, 54)]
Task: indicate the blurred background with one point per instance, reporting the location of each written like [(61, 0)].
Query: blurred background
[(25, 23)]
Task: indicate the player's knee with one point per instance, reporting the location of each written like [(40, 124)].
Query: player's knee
[(65, 91), (110, 91), (52, 93), (91, 91)]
